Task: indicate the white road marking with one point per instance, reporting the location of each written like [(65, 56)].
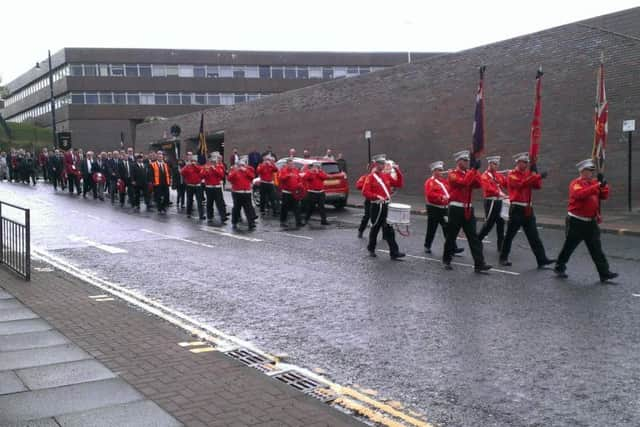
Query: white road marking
[(513, 273), (106, 248), (635, 295), (166, 236), (235, 236), (94, 217), (296, 235), (98, 296), (464, 238)]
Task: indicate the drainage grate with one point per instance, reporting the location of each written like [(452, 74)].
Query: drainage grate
[(265, 368), (297, 380), (247, 357), (324, 395)]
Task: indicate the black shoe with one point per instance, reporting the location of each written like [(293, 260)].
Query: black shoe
[(188, 215), (505, 263), (427, 250), (546, 262), (608, 276), (372, 254), (252, 226), (234, 226), (482, 268), (360, 234), (324, 223), (458, 250), (398, 256), (300, 224), (560, 273), (447, 266), (202, 218), (284, 225)]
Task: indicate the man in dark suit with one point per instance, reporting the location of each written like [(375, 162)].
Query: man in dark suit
[(55, 165), (125, 172), (87, 167), (112, 174), (140, 183)]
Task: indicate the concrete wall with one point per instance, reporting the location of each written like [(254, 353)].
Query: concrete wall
[(423, 112)]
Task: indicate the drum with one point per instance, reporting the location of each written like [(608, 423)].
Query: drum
[(399, 213), (504, 212)]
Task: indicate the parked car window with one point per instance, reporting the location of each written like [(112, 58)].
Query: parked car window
[(330, 168)]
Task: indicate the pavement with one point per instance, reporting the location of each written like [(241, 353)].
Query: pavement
[(72, 356)]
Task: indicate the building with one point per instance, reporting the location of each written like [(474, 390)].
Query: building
[(423, 111), (100, 93)]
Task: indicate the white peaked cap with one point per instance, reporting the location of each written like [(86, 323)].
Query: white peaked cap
[(522, 157), (493, 159), (379, 158), (437, 165), (585, 164), (461, 155)]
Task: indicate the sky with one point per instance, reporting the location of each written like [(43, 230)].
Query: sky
[(29, 28)]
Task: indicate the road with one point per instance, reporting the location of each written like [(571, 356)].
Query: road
[(516, 347)]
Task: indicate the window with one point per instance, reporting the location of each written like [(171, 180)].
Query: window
[(290, 73), (199, 71), (172, 70), (133, 99), (147, 99), (90, 70), (277, 73), (76, 70), (253, 97), (106, 98), (339, 72), (353, 71), (239, 99), (174, 98), (131, 70), (265, 72), (161, 99), (365, 70), (238, 72), (327, 73), (185, 70), (213, 99), (200, 99), (119, 98), (158, 70), (303, 73), (117, 70), (226, 71), (91, 98), (103, 70), (315, 72), (186, 99), (77, 98), (213, 71), (145, 70), (226, 99), (251, 72)]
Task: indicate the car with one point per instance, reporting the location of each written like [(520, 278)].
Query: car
[(336, 186)]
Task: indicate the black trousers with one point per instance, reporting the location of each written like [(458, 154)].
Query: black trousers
[(457, 221), (89, 185), (492, 217), (56, 178), (379, 213), (268, 197), (161, 196), (113, 188), (517, 219), (181, 190), (435, 216), (194, 190), (215, 195), (242, 201), (365, 216), (290, 204), (576, 231), (45, 172), (73, 179), (128, 190), (316, 199), (137, 191)]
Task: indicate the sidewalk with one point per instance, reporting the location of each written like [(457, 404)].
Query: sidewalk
[(616, 221), (69, 357)]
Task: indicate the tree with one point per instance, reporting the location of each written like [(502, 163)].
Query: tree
[(4, 92)]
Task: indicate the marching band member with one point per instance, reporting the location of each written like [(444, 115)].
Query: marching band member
[(436, 193), (192, 175), (582, 220), (266, 171), (314, 183), (291, 188), (213, 174), (462, 181), (493, 183), (521, 181), (241, 178), (377, 189)]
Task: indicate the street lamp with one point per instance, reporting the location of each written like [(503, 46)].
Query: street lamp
[(367, 136), (51, 100)]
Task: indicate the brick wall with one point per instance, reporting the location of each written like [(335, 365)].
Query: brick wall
[(422, 112)]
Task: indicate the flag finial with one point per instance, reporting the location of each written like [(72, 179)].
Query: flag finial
[(539, 73)]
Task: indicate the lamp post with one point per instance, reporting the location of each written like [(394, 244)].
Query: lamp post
[(367, 136), (629, 126), (51, 100)]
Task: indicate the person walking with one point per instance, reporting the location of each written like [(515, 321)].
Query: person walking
[(314, 183), (140, 184), (213, 173), (192, 175), (266, 171), (292, 190), (436, 193), (241, 176), (494, 187), (161, 174)]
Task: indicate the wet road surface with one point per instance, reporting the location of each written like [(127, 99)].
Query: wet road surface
[(514, 347)]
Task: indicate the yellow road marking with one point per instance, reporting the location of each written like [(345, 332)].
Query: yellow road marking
[(367, 412), (104, 299), (202, 350), (98, 296), (190, 344)]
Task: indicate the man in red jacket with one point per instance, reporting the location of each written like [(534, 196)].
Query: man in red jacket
[(213, 173), (436, 194), (241, 178), (521, 181), (494, 185), (582, 221), (71, 160), (290, 185), (314, 182), (377, 188), (266, 171), (193, 178), (462, 181)]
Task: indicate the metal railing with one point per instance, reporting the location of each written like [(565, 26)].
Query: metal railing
[(15, 239)]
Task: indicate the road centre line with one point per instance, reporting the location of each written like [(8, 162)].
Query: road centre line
[(512, 273), (235, 236), (635, 295), (106, 248), (166, 236), (296, 235)]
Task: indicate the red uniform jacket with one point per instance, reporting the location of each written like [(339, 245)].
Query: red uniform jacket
[(360, 182), (462, 183), (43, 159), (314, 181), (585, 196), (191, 174), (372, 188), (290, 179), (520, 185), (70, 163), (241, 178), (492, 183), (212, 174), (436, 192), (266, 170)]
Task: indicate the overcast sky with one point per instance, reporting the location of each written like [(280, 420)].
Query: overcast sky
[(29, 28)]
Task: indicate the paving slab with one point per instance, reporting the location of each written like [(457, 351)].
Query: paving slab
[(33, 405), (23, 326), (62, 374), (31, 340), (17, 314), (45, 422), (136, 414), (4, 295), (37, 357), (8, 303), (10, 383)]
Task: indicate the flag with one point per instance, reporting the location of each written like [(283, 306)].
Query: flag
[(202, 143), (478, 120), (121, 139), (536, 132), (601, 119)]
